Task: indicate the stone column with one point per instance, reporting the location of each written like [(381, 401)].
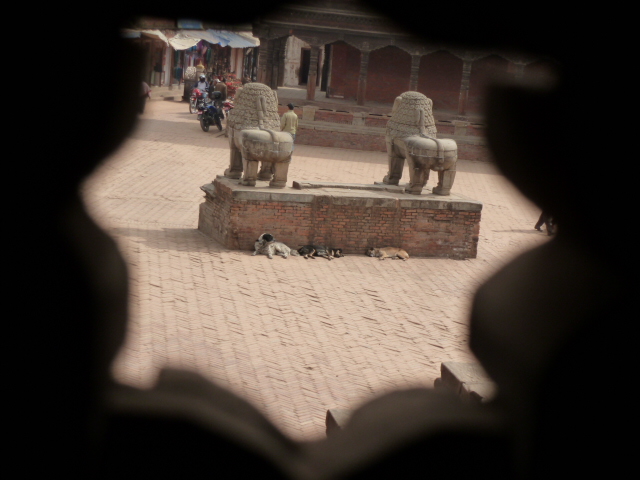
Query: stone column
[(362, 79), (464, 87), (274, 62), (313, 72), (263, 60), (281, 60), (415, 69)]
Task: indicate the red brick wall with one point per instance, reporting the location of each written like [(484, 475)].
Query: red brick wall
[(253, 218), (357, 141), (345, 69), (446, 129), (376, 143), (440, 78), (282, 109), (483, 72), (480, 153), (376, 121), (475, 130), (388, 74), (422, 232), (334, 117)]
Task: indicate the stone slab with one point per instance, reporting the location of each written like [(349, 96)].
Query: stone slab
[(478, 392), (336, 419), (361, 194), (469, 380), (379, 187)]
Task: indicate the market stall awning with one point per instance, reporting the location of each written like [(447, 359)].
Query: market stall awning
[(157, 34), (248, 36), (184, 39), (235, 40)]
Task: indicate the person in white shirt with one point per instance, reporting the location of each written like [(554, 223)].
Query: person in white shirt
[(289, 122), (202, 85)]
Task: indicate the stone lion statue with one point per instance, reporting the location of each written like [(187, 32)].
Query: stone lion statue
[(253, 129), (411, 135)]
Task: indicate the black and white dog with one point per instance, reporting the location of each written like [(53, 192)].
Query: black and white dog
[(312, 251), (266, 245)]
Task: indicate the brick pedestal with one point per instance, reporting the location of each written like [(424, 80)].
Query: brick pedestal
[(351, 216)]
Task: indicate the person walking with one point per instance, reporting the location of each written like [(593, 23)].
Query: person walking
[(221, 87), (145, 93), (203, 86), (289, 122)]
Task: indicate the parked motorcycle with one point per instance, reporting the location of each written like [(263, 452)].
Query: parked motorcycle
[(196, 101)]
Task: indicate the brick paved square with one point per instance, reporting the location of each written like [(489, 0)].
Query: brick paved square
[(294, 336)]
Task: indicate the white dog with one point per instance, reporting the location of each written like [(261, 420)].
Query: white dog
[(267, 245)]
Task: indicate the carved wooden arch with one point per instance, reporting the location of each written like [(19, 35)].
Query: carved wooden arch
[(268, 33), (440, 48), (420, 49), (380, 47), (468, 55), (517, 58), (473, 55), (312, 41), (349, 41)]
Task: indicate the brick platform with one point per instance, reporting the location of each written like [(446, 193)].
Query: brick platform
[(351, 216)]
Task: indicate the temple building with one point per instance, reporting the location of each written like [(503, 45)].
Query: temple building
[(354, 62), (350, 53)]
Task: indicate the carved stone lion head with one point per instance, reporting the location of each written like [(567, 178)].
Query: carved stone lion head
[(405, 116), (245, 114)]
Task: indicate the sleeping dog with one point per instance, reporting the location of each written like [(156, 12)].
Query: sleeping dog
[(266, 245), (313, 251), (387, 252)]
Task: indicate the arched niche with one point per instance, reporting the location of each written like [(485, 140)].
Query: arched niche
[(439, 78), (344, 69), (484, 71), (388, 74)]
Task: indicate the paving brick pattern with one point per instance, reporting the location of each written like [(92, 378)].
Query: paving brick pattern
[(294, 336)]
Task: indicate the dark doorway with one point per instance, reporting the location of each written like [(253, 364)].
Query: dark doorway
[(305, 60), (325, 68)]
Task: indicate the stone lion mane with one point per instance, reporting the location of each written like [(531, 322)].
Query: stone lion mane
[(403, 121), (244, 114)]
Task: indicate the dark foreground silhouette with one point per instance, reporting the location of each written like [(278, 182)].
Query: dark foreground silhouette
[(551, 328)]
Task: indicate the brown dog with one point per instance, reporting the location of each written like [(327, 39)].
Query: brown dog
[(387, 252)]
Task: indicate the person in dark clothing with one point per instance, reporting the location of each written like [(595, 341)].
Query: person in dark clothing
[(221, 87), (547, 220)]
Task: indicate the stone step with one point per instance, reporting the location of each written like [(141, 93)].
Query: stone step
[(336, 419), (469, 380)]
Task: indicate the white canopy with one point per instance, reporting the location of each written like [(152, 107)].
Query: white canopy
[(184, 39)]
